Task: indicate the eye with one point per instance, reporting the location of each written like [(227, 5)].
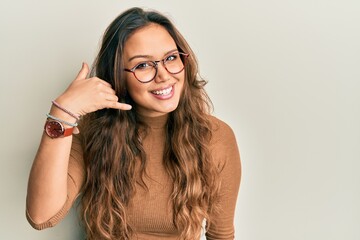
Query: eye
[(171, 57), (144, 66)]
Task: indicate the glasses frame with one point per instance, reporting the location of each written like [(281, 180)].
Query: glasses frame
[(156, 64)]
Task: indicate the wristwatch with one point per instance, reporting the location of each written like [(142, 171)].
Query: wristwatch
[(56, 129)]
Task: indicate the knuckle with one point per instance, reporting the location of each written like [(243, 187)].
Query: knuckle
[(101, 95), (114, 104), (98, 85)]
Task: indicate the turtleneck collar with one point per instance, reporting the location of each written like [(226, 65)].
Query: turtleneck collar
[(154, 122)]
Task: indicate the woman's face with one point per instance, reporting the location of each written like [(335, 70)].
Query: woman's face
[(162, 95)]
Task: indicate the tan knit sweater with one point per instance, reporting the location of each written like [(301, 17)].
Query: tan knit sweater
[(150, 213)]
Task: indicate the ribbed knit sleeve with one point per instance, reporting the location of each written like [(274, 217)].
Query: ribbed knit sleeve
[(74, 183), (225, 152)]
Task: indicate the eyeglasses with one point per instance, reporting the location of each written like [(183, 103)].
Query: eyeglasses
[(146, 71)]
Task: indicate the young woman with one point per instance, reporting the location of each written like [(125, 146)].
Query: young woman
[(149, 162)]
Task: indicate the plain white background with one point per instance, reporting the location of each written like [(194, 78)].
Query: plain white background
[(283, 74)]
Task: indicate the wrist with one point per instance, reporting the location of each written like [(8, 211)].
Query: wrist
[(68, 104), (58, 113)]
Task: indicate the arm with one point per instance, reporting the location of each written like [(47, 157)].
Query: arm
[(226, 154), (57, 171), (74, 178)]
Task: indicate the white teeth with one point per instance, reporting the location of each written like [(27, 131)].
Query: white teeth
[(163, 92)]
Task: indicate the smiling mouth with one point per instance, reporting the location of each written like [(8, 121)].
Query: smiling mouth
[(163, 92)]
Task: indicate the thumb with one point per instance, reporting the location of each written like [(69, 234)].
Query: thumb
[(83, 71)]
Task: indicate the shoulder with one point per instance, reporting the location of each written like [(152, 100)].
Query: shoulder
[(223, 140), (221, 131)]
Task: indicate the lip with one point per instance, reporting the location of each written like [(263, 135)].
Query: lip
[(164, 97)]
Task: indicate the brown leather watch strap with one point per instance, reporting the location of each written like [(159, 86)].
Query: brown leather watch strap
[(68, 131)]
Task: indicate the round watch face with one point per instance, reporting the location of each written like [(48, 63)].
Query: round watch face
[(54, 129)]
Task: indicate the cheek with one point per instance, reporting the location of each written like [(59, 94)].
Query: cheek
[(136, 93), (134, 89), (183, 84), (185, 89)]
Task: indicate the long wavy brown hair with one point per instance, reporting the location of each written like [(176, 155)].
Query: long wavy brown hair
[(112, 150)]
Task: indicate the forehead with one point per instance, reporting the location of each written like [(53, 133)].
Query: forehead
[(152, 40)]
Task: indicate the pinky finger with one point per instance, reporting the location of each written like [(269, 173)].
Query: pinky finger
[(120, 106)]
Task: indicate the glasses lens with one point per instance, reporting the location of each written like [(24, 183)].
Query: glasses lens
[(145, 71), (173, 63)]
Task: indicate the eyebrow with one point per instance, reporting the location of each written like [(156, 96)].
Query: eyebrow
[(149, 56)]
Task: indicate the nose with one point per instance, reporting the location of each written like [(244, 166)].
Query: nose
[(162, 74)]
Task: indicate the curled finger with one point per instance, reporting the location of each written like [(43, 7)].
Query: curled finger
[(111, 97)]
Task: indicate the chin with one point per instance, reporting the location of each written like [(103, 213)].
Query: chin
[(173, 107)]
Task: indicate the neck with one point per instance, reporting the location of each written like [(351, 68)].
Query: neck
[(154, 121)]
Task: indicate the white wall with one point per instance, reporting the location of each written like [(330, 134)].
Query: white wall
[(284, 74)]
